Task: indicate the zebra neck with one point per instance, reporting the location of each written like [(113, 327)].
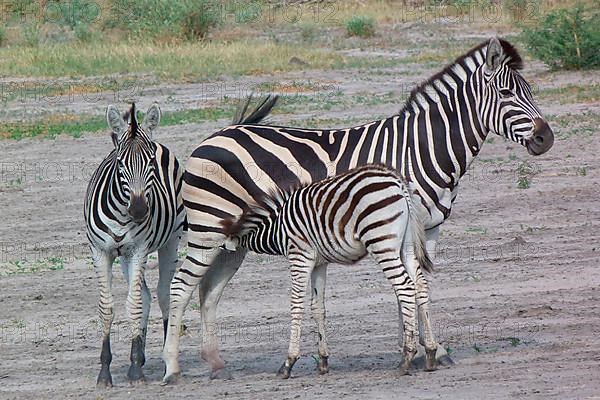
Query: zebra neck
[(441, 129)]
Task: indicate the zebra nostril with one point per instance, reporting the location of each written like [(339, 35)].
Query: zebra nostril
[(538, 140)]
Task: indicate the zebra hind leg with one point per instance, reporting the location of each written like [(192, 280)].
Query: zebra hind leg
[(318, 280), (300, 272), (425, 330), (103, 266), (222, 269), (405, 290), (168, 261)]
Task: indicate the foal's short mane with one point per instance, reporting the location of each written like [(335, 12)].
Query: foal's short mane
[(511, 54)]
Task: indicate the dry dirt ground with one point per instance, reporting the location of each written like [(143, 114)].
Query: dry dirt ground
[(516, 294)]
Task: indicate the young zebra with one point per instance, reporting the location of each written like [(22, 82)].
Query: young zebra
[(133, 207), (367, 210)]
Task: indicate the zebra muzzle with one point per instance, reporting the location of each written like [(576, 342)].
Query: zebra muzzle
[(138, 208), (542, 138)]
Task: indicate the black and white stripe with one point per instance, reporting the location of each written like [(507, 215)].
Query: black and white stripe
[(431, 141), (133, 207), (367, 210)]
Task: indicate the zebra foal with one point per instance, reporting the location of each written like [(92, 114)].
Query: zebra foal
[(133, 206), (367, 210)]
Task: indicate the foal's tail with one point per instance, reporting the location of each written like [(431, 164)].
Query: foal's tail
[(417, 231)]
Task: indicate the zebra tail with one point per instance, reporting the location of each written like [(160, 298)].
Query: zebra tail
[(418, 237), (258, 113)]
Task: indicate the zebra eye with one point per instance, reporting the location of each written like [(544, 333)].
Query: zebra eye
[(505, 93)]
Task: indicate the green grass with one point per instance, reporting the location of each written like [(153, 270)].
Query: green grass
[(360, 25), (55, 126), (167, 61), (570, 94)]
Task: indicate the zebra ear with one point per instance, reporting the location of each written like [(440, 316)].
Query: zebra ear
[(494, 54), (151, 119), (116, 123)]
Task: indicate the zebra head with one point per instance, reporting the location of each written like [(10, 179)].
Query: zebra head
[(508, 108), (135, 157)]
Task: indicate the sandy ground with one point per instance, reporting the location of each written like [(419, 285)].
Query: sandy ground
[(516, 294)]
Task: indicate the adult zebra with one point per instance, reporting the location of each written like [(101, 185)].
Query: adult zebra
[(431, 141), (133, 206)]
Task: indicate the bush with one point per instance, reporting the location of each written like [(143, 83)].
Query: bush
[(362, 26), (160, 18), (2, 35), (566, 38)]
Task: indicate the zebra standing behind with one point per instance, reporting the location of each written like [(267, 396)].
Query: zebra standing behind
[(431, 141), (367, 210), (133, 207)]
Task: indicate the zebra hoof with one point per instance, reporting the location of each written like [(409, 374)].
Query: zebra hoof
[(323, 366), (284, 371), (104, 380), (430, 361), (221, 374), (135, 375), (171, 379)]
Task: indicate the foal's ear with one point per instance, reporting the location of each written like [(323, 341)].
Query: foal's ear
[(494, 55), (151, 120), (116, 123)]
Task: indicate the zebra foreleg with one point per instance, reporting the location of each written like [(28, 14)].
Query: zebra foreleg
[(103, 266), (300, 271), (441, 355), (318, 283), (138, 309), (213, 283), (425, 331)]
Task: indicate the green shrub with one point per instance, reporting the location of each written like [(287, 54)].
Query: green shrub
[(30, 32), (160, 18), (2, 35), (362, 26), (308, 32), (72, 13), (566, 38)]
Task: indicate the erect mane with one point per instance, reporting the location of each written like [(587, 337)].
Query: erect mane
[(512, 57)]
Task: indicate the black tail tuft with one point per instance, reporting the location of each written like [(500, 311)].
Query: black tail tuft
[(258, 114)]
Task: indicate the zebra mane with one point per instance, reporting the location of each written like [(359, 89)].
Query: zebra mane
[(512, 57), (133, 122), (256, 214)]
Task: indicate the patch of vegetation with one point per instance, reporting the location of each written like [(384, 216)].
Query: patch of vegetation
[(54, 126), (514, 341), (2, 35), (362, 26), (567, 38), (569, 94)]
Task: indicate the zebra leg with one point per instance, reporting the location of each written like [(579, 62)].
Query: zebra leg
[(167, 264), (103, 267), (300, 272), (138, 309), (222, 270), (318, 280), (441, 355), (183, 285), (425, 331), (404, 287)]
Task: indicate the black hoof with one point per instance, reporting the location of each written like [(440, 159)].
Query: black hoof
[(221, 374), (430, 361), (284, 371), (104, 378), (171, 379), (323, 366), (445, 361), (404, 369), (135, 374)]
